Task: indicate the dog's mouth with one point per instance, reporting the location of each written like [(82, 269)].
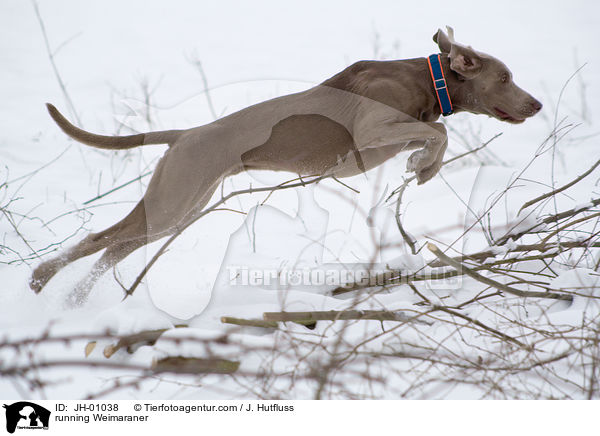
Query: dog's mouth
[(504, 116)]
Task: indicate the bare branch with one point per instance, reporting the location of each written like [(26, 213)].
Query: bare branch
[(500, 286), (558, 190)]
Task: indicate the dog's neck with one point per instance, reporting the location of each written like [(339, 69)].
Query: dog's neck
[(415, 77), (457, 88)]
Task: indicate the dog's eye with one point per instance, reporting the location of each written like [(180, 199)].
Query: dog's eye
[(504, 78)]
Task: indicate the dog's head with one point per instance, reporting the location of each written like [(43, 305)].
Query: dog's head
[(488, 87)]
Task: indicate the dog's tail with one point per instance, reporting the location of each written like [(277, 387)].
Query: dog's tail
[(111, 142)]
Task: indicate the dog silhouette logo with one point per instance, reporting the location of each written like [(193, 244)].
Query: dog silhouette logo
[(26, 415)]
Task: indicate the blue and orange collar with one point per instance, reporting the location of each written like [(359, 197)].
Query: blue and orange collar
[(439, 83)]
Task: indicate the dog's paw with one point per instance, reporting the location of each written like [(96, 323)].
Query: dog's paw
[(41, 275), (36, 285), (414, 162)]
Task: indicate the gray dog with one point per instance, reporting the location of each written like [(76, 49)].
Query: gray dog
[(350, 123)]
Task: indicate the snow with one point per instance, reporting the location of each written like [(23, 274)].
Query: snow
[(583, 206), (249, 53)]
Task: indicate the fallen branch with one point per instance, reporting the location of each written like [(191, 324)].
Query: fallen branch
[(344, 315), (249, 322), (132, 342), (177, 365), (193, 365)]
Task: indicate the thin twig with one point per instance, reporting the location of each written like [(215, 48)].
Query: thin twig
[(480, 324), (410, 241), (61, 84), (557, 190), (210, 209), (98, 197)]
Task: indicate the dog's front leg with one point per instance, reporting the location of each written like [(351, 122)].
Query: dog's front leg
[(427, 161), (427, 173), (373, 131)]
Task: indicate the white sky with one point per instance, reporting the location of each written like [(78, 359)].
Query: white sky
[(118, 41)]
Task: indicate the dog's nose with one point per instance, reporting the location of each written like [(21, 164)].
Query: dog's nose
[(536, 106)]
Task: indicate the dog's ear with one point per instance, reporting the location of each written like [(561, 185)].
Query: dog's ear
[(443, 41), (465, 61)]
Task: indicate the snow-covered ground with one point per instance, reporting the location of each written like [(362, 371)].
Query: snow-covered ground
[(108, 52)]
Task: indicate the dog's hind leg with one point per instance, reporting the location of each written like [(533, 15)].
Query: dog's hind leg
[(132, 237), (128, 237), (182, 184), (113, 255), (91, 244)]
